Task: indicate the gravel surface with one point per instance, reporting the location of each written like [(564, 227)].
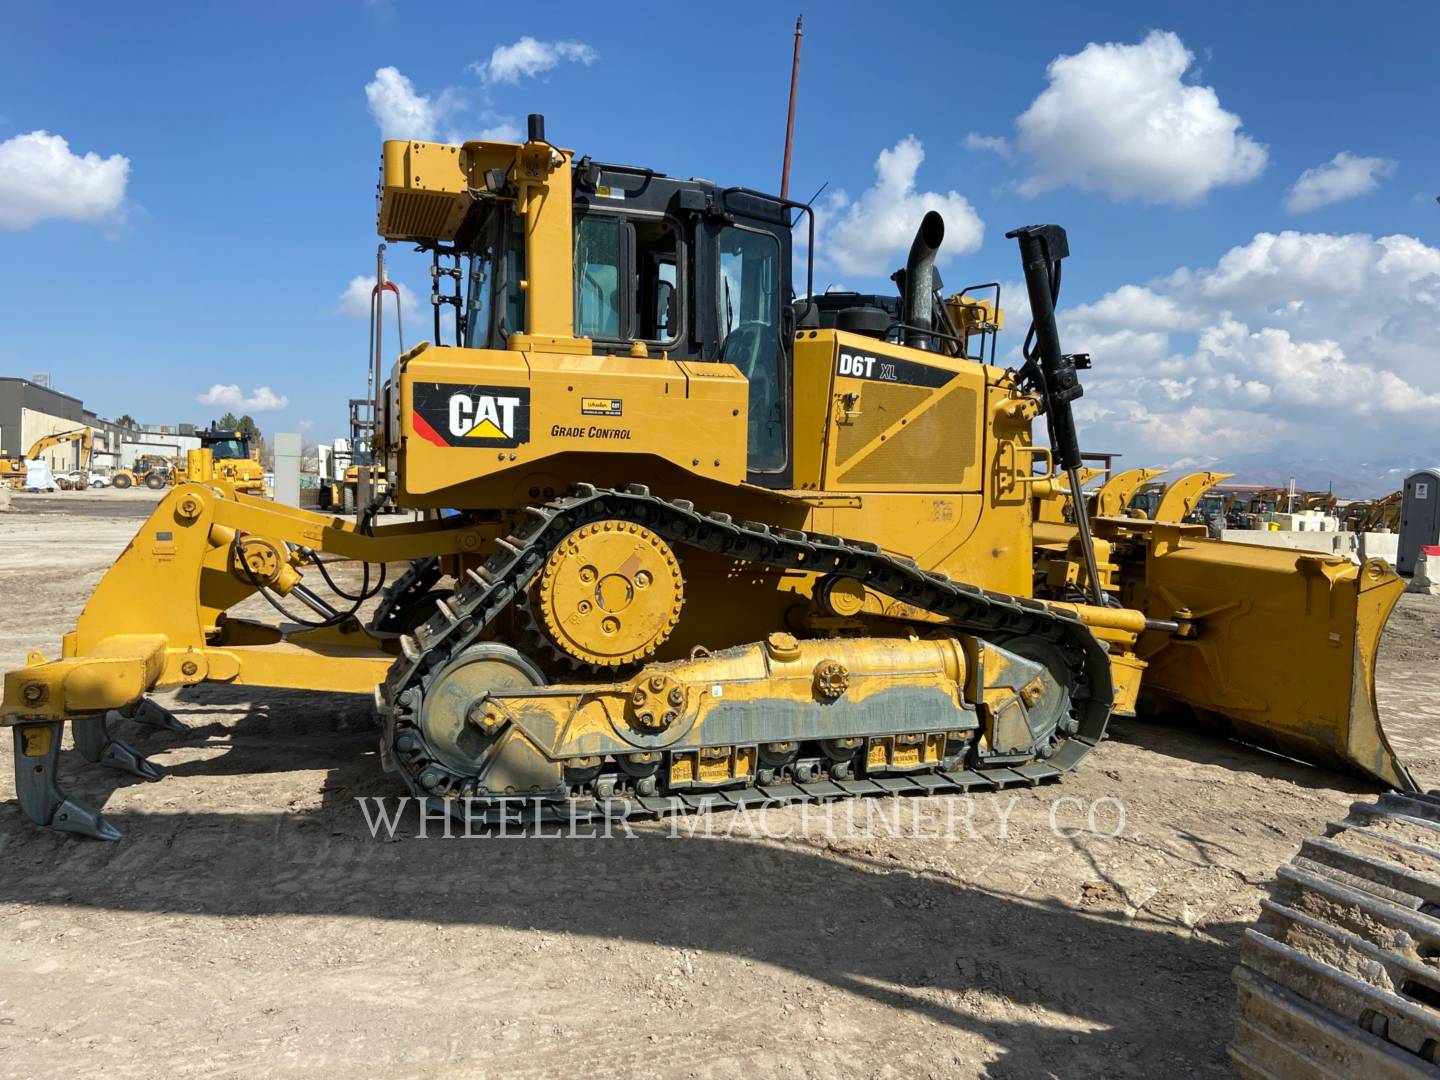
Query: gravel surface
[(249, 923)]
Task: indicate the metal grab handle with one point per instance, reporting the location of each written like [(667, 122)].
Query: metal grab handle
[(1040, 452)]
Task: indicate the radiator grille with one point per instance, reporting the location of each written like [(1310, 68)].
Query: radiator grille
[(416, 214)]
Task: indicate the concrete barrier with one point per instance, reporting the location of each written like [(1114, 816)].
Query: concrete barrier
[(1427, 573), (1380, 546), (1323, 543), (1357, 547)]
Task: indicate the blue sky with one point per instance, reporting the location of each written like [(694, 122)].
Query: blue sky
[(248, 200)]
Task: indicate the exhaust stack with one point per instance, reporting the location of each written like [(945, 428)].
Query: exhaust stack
[(919, 306)]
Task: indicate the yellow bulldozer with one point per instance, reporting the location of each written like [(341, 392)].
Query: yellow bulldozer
[(1375, 515), (233, 460), (719, 542)]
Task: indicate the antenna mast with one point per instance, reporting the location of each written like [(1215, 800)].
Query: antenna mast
[(790, 121)]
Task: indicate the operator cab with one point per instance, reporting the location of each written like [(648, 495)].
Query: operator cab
[(224, 445), (688, 269)]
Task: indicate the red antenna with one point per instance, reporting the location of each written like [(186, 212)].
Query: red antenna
[(790, 122)]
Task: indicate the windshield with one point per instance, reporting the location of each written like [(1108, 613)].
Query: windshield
[(228, 448)]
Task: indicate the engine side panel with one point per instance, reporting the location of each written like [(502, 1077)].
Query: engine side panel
[(492, 417)]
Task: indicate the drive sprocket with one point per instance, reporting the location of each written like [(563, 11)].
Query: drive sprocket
[(610, 594)]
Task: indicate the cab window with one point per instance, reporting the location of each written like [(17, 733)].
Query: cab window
[(597, 277), (479, 298), (750, 336), (627, 280), (495, 308), (226, 449), (657, 306)]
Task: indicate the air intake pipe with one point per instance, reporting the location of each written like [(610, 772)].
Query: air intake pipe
[(918, 311)]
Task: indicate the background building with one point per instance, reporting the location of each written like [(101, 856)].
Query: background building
[(166, 440), (30, 410)]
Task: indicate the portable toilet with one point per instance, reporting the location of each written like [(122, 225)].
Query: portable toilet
[(1419, 517)]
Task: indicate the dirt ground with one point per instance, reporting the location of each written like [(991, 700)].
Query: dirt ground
[(249, 924)]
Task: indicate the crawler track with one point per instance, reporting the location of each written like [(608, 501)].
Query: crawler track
[(462, 619), (1341, 976), (419, 577)]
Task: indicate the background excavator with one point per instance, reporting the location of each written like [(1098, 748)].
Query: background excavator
[(718, 542), (12, 470)]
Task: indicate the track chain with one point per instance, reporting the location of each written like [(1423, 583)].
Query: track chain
[(1341, 975), (419, 577), (485, 592)]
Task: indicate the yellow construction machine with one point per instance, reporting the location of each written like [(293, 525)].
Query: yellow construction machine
[(12, 470), (343, 491), (696, 541), (234, 461), (1375, 515), (153, 471), (716, 542)]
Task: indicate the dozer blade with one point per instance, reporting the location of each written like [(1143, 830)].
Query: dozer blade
[(1283, 648)]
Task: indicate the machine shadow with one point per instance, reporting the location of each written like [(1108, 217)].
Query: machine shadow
[(988, 964), (1190, 741), (848, 921), (275, 733)]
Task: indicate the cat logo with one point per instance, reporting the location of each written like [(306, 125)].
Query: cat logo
[(488, 417), (452, 415)]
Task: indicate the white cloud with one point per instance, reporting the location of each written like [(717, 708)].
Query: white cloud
[(994, 144), (501, 131), (1342, 177), (1134, 307), (1119, 119), (354, 302), (401, 112), (261, 399), (1318, 342), (1238, 365), (871, 235), (1175, 435), (41, 177), (528, 57)]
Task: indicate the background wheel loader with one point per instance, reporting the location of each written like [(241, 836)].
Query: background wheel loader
[(717, 543), (153, 471)]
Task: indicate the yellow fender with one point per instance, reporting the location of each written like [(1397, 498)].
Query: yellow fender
[(1113, 496), (1182, 494)]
